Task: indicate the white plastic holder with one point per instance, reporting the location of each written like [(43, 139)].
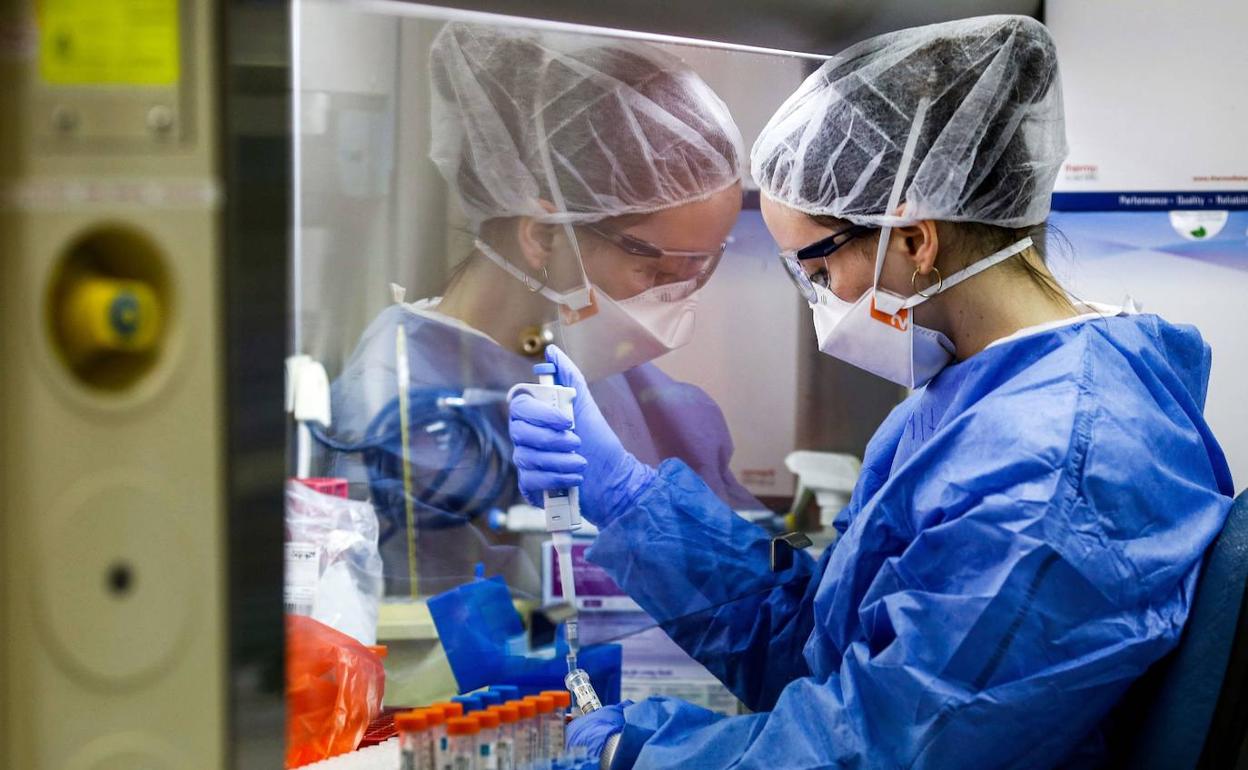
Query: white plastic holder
[(826, 477), (307, 400)]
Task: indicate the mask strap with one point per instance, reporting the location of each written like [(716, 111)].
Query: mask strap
[(581, 297), (994, 258), (559, 298), (888, 303)]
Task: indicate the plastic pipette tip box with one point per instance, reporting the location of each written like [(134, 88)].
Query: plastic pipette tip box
[(336, 487), (382, 728)]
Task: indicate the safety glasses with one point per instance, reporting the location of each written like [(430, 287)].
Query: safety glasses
[(678, 264), (792, 260)]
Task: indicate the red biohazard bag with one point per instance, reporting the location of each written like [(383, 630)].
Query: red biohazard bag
[(334, 687)]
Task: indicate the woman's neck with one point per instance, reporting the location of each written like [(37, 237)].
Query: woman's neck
[(990, 306), (493, 302)]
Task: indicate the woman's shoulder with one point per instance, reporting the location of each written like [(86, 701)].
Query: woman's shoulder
[(1117, 361), (1109, 398)]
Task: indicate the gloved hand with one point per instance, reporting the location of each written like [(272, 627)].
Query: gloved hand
[(593, 729), (546, 450)]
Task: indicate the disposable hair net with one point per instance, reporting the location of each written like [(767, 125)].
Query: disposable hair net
[(989, 144), (597, 127)]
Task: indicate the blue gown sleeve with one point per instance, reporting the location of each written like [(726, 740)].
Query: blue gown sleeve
[(1005, 654), (704, 574)]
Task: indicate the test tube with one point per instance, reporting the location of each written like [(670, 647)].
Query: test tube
[(451, 708), (461, 736), (545, 707), (487, 739), (557, 721), (508, 715), (526, 734), (436, 717), (414, 749)]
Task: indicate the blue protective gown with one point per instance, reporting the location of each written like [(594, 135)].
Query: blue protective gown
[(654, 415), (1024, 541)]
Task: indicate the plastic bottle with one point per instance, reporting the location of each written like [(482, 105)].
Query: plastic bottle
[(508, 716), (461, 736), (415, 746), (557, 721), (526, 734), (487, 739)]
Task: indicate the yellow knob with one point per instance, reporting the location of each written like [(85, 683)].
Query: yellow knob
[(109, 315)]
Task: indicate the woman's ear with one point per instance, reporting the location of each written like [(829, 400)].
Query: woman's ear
[(922, 244), (536, 239)]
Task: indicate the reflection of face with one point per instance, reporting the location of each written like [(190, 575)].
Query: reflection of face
[(850, 269), (701, 226)]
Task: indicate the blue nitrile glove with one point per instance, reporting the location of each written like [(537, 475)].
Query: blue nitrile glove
[(546, 455), (593, 729)]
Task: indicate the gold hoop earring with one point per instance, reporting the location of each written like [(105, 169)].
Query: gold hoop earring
[(940, 283), (532, 284)]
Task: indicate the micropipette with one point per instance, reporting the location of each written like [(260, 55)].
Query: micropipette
[(563, 508)]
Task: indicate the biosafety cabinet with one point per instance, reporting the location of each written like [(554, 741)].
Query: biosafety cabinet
[(240, 244)]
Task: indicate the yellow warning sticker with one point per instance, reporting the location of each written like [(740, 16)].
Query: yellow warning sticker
[(108, 42)]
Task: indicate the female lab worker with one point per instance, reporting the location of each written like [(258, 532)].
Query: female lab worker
[(1027, 531), (601, 179)]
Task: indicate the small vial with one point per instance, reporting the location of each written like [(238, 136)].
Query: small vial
[(451, 708), (537, 743), (508, 716), (415, 751), (436, 717), (582, 690), (461, 736), (545, 708), (487, 739), (526, 735), (557, 721)]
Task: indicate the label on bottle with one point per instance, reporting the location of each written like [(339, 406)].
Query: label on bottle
[(303, 570)]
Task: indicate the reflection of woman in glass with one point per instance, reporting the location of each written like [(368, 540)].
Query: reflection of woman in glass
[(602, 180)]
